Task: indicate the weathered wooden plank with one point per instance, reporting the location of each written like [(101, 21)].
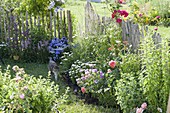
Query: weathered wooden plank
[(35, 21), (61, 23), (64, 26), (58, 24), (22, 30), (51, 32), (70, 30), (168, 106), (30, 18), (15, 33), (55, 34), (27, 26), (1, 28)]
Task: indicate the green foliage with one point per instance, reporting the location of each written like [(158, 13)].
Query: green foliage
[(128, 92), (36, 7), (145, 77), (37, 46), (154, 78), (89, 64), (20, 92)]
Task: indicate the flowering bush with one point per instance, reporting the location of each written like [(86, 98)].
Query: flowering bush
[(94, 81), (117, 13), (57, 46), (24, 93)]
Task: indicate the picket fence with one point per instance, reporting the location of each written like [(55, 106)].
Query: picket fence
[(132, 33), (15, 28)]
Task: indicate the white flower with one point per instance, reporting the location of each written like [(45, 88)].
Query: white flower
[(160, 110)]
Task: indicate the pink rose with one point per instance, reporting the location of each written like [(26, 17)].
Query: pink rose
[(83, 89), (158, 17), (144, 105), (112, 64), (139, 110), (119, 20), (155, 28), (120, 1)]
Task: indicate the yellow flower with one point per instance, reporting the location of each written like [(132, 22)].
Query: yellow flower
[(147, 20)]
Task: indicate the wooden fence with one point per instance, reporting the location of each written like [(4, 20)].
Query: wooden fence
[(15, 28), (94, 24)]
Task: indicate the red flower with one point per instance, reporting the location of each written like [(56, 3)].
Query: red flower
[(119, 20), (83, 89), (123, 13), (112, 64), (114, 13)]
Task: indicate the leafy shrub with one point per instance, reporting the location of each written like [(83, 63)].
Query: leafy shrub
[(145, 77), (88, 65), (128, 92), (154, 79), (20, 92), (37, 7)]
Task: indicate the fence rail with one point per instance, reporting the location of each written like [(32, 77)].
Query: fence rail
[(15, 28), (130, 31)]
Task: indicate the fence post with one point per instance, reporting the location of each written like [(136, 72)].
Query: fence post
[(70, 30), (168, 106)]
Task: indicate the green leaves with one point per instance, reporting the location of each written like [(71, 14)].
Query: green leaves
[(29, 94)]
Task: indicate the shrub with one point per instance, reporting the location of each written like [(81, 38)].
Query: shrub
[(20, 92), (155, 79), (128, 92), (145, 77)]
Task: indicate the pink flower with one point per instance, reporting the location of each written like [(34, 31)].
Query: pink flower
[(144, 105), (112, 64), (110, 48), (22, 96), (139, 110), (158, 17), (120, 1), (155, 28), (123, 13), (17, 78), (83, 89), (119, 20), (140, 15)]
